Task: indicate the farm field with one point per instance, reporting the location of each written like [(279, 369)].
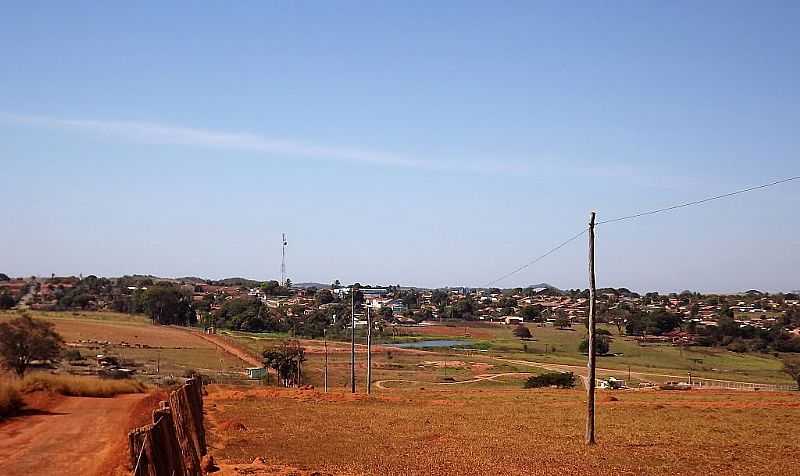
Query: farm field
[(548, 346), (555, 345), (175, 350), (502, 431), (135, 340), (389, 364)]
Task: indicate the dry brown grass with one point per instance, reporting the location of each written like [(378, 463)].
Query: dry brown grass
[(10, 399), (496, 431), (75, 386)]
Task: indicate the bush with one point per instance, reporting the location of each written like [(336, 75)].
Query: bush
[(551, 379), (522, 332), (738, 346), (72, 355), (75, 386), (10, 400)]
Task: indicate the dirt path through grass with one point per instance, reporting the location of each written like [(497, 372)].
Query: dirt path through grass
[(582, 371), (234, 350), (77, 435), (478, 378)]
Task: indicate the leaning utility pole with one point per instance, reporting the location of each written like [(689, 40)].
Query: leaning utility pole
[(353, 339), (325, 342), (592, 359), (369, 353)]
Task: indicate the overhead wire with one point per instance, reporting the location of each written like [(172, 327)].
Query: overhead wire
[(696, 202), (639, 215)]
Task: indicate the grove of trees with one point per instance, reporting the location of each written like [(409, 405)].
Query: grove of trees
[(286, 358)]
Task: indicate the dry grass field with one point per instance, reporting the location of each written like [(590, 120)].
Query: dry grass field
[(136, 341), (502, 431)]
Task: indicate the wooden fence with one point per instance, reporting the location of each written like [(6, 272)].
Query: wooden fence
[(175, 443)]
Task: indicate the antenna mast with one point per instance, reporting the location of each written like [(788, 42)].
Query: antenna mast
[(283, 260)]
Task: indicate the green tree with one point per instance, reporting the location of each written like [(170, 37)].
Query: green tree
[(792, 367), (286, 358), (166, 304), (562, 321), (7, 301), (324, 296), (530, 313), (23, 340), (386, 312), (439, 297)]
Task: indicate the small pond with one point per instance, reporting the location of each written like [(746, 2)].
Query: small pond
[(428, 344)]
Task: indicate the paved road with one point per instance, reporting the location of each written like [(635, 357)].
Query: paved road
[(75, 436)]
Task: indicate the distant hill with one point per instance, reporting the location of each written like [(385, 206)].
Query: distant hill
[(237, 282), (544, 286), (310, 285), (191, 279)]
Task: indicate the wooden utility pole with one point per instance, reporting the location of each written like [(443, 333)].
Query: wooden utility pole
[(592, 358), (369, 353), (353, 339), (325, 342)]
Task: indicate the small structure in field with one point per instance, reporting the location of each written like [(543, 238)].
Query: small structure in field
[(256, 373), (612, 383)]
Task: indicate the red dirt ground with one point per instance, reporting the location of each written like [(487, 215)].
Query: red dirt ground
[(72, 435)]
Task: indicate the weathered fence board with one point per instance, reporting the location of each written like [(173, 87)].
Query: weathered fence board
[(174, 444)]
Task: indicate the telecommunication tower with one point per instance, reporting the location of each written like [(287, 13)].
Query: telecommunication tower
[(283, 260)]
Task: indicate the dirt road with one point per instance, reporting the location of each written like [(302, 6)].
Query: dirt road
[(478, 378), (234, 350), (74, 436)]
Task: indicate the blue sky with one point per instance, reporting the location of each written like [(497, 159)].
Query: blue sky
[(419, 143)]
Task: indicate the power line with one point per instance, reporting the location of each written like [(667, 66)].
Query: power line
[(638, 215), (697, 202), (537, 259)]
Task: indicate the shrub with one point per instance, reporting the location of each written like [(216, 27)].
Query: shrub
[(72, 355), (10, 400), (75, 386), (738, 346), (551, 379), (522, 332)]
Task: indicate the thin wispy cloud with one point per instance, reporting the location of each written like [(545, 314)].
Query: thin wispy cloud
[(154, 133), (163, 134)]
